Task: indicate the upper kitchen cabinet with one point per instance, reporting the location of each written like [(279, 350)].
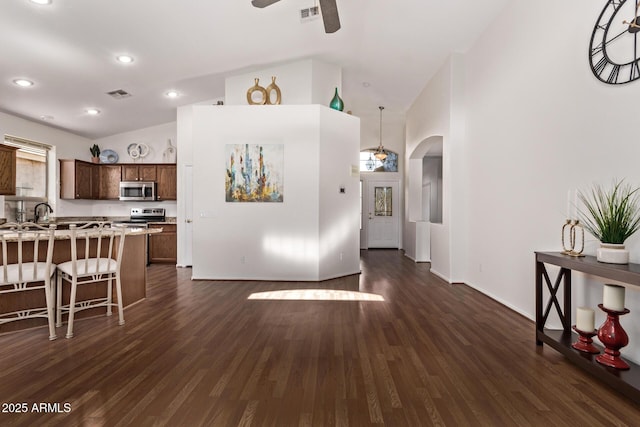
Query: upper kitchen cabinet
[(138, 172), (110, 182), (84, 180), (7, 170), (167, 186), (79, 179)]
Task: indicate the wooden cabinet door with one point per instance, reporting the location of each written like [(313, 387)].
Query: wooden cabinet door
[(167, 185), (130, 172), (163, 247), (147, 172), (110, 182), (95, 181), (79, 180), (139, 172), (7, 170), (84, 180)]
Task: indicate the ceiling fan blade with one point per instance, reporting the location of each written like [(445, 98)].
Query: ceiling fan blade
[(329, 15), (263, 3)]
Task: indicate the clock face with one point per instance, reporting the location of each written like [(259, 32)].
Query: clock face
[(614, 52)]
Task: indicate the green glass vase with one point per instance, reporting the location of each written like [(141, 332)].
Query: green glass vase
[(336, 102)]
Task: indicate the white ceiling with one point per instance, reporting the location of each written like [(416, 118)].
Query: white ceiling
[(68, 49)]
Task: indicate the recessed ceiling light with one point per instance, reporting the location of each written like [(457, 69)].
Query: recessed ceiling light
[(45, 2), (125, 59), (23, 82), (92, 111), (46, 118), (172, 94)]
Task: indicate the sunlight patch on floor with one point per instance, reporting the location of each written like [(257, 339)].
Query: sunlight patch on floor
[(316, 295)]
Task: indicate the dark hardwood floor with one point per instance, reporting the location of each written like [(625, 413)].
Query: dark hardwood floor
[(201, 354)]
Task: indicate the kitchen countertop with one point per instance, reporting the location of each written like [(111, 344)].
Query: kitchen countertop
[(66, 234), (84, 219)]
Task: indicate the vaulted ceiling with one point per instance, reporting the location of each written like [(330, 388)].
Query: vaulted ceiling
[(387, 49)]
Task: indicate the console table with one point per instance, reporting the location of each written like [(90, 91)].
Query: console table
[(626, 382)]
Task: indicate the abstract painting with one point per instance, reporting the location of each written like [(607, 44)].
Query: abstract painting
[(254, 172)]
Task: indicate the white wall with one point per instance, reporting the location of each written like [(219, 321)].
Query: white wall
[(301, 82), (339, 221), (154, 136), (299, 239), (428, 120), (532, 122), (432, 178), (393, 131)]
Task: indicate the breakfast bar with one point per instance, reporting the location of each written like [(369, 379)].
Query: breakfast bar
[(133, 274)]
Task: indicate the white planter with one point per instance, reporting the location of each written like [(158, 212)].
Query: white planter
[(612, 253)]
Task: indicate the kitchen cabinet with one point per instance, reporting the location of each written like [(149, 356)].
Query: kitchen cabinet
[(7, 170), (167, 185), (139, 172), (84, 180), (163, 247), (110, 176), (79, 180)]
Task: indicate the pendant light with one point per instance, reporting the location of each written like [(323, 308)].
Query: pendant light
[(370, 163), (380, 153)]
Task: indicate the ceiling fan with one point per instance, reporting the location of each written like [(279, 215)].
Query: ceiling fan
[(327, 7)]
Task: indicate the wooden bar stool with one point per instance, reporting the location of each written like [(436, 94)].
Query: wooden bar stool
[(28, 269), (100, 247)]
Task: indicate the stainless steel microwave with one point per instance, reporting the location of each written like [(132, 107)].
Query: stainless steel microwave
[(137, 190)]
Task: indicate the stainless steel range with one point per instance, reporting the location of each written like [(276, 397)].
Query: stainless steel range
[(140, 218)]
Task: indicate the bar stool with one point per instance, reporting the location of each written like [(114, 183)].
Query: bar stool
[(30, 270), (100, 246)]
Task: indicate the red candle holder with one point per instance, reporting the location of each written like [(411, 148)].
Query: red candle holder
[(614, 337), (585, 343)]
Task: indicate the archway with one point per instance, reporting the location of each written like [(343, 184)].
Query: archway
[(424, 197)]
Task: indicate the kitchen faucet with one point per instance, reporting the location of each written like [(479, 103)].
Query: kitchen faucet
[(36, 214)]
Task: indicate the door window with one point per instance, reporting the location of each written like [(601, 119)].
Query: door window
[(383, 201)]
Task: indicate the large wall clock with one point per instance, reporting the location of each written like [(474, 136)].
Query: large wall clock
[(614, 52)]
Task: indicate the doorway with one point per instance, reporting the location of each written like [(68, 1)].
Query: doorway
[(188, 221), (381, 214)]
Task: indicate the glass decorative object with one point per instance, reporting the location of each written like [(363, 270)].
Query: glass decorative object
[(336, 102)]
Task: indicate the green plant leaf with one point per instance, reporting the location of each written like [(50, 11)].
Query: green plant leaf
[(612, 214)]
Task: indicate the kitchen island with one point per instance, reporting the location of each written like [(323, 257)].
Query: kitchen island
[(133, 275)]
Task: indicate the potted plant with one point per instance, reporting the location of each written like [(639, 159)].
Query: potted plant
[(611, 216), (95, 153)]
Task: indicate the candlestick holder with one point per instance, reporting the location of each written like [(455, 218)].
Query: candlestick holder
[(614, 337), (573, 232), (585, 342)]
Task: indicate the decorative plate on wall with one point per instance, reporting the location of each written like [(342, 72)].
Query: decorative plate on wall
[(137, 151), (108, 156)]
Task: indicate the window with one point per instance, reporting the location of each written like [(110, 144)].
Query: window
[(368, 163), (383, 201), (32, 164)]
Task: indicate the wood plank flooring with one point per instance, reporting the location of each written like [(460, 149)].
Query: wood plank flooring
[(201, 354)]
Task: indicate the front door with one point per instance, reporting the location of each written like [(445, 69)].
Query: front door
[(383, 216)]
